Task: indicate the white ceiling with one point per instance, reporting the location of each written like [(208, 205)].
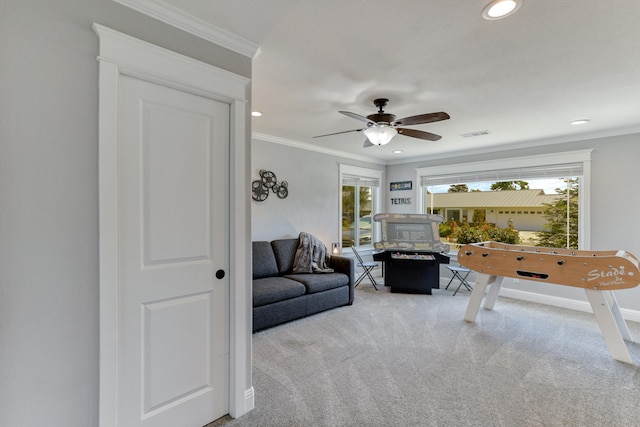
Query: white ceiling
[(523, 78)]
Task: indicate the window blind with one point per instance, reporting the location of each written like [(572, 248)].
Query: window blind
[(360, 181), (499, 175)]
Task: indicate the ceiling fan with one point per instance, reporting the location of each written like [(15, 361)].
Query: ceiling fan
[(382, 127)]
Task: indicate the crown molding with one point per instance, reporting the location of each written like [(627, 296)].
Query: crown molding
[(177, 18), (309, 147), (608, 133)]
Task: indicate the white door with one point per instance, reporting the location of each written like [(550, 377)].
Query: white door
[(173, 203)]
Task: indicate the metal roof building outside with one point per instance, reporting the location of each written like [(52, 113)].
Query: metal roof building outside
[(522, 209), (493, 199)]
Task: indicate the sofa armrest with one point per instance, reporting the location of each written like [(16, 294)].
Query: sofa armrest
[(346, 266)]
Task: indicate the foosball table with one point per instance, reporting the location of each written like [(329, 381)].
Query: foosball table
[(597, 272)]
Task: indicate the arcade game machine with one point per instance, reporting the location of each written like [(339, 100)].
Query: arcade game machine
[(411, 251)]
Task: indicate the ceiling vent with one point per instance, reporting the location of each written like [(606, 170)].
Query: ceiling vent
[(474, 134)]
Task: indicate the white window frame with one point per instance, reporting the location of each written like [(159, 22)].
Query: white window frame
[(376, 199), (579, 156)]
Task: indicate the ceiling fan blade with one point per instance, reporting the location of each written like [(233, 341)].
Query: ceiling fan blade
[(367, 143), (421, 118), (357, 117), (338, 133), (418, 134)]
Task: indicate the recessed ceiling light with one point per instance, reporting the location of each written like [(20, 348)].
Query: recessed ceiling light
[(256, 113), (580, 121), (498, 9), (397, 151)]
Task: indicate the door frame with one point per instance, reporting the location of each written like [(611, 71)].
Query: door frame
[(123, 55)]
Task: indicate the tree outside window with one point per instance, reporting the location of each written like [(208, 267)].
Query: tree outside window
[(561, 229), (360, 198), (356, 215)]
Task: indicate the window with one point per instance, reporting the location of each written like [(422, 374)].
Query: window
[(452, 214), (565, 228), (359, 202)]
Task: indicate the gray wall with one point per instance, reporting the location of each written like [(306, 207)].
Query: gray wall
[(614, 201), (313, 202), (49, 200)]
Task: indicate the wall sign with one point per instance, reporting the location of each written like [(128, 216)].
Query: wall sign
[(401, 185), (401, 200)]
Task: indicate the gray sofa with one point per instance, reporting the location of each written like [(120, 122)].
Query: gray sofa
[(280, 296)]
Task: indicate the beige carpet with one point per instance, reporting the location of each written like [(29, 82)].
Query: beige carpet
[(411, 360)]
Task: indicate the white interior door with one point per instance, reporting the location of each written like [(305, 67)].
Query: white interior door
[(173, 204)]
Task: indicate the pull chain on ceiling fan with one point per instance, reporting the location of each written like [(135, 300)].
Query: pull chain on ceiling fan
[(382, 127)]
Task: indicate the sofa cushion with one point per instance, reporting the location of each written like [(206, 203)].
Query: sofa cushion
[(319, 282), (279, 312), (273, 289), (285, 252), (264, 261)]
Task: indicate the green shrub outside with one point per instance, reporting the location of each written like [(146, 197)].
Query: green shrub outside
[(505, 235), (466, 233), (444, 229)]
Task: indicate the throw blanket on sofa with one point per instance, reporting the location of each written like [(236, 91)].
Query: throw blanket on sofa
[(311, 255)]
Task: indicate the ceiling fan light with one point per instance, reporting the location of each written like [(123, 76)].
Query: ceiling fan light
[(500, 8), (380, 135)]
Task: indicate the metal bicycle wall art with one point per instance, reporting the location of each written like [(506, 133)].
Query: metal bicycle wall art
[(260, 188)]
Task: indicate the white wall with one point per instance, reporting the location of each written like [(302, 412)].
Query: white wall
[(400, 174), (313, 202), (49, 200)]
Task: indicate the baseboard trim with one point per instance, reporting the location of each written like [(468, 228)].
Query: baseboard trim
[(568, 303), (571, 304), (249, 400)]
